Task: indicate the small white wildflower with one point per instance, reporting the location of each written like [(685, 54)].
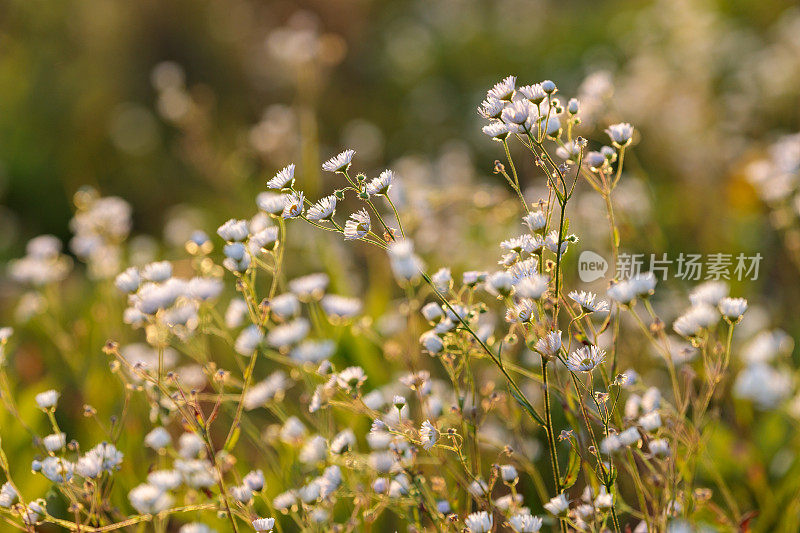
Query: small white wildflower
[(55, 442), (231, 231), (271, 203), (149, 499), (620, 134), (629, 436), (381, 184), (709, 293), (289, 333), (533, 286), (428, 435), (558, 505), (293, 205), (282, 178), (535, 220), (733, 308), (248, 340), (351, 378), (8, 495), (585, 359), (504, 89), (525, 523), (588, 302), (604, 500), (340, 162), (535, 93), (442, 280), (157, 272), (650, 421), (158, 438), (165, 479), (659, 447), (497, 130), (324, 209), (695, 320), (47, 399), (431, 342), (550, 344), (480, 522), (340, 307), (264, 525), (284, 306), (128, 280), (343, 442), (357, 226), (509, 474)]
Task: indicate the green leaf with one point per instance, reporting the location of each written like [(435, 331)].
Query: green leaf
[(571, 474)]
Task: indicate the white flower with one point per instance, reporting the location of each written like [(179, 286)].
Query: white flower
[(733, 308), (695, 320), (535, 93), (650, 421), (55, 442), (604, 500), (248, 340), (523, 311), (709, 293), (431, 342), (158, 438), (165, 479), (550, 344), (629, 436), (339, 162), (351, 377), (428, 435), (357, 226), (293, 205), (558, 505), (480, 522), (196, 527), (491, 108), (159, 271), (310, 287), (324, 209), (149, 499), (764, 385), (8, 495), (286, 175), (442, 280), (128, 280), (264, 525), (340, 307), (232, 231), (496, 130), (509, 474), (56, 469), (290, 333), (517, 112), (621, 133), (525, 523), (535, 220), (343, 441), (585, 359), (500, 282), (504, 89), (47, 399), (284, 306), (659, 447), (270, 202), (588, 303), (623, 292), (381, 184), (533, 286), (406, 265), (644, 284), (265, 391)]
